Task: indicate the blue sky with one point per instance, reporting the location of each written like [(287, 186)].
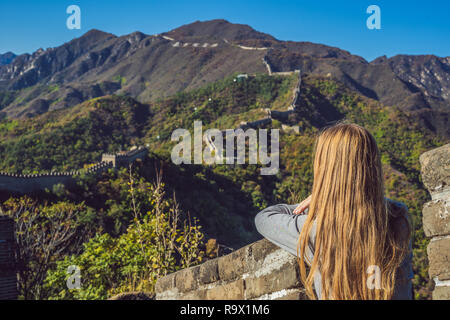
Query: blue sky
[(407, 27)]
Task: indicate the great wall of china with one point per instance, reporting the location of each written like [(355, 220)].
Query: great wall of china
[(181, 44), (281, 116), (271, 114), (27, 183)]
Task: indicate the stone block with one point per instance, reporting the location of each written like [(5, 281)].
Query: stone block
[(187, 279), (435, 168), (436, 218), (209, 271), (165, 283), (233, 265), (260, 249), (285, 278), (439, 258), (441, 293), (229, 291), (298, 294), (199, 294)]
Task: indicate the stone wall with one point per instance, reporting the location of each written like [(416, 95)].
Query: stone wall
[(8, 277), (28, 183), (296, 91), (435, 167), (124, 158), (259, 271)]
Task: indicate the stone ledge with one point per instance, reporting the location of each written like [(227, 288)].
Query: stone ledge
[(286, 277), (259, 270)]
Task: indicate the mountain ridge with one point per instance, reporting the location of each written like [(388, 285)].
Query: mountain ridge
[(7, 58), (149, 67)]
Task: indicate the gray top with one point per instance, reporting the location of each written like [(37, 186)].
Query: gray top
[(282, 227)]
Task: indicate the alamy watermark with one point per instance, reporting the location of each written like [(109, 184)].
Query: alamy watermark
[(74, 20), (374, 20), (74, 280), (232, 152), (374, 278)]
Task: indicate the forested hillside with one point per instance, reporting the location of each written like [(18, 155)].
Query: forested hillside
[(224, 198)]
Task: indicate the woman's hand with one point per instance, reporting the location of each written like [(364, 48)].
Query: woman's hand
[(303, 206)]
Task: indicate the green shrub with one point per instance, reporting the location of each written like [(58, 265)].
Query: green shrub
[(158, 242)]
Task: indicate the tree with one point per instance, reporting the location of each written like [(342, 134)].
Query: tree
[(43, 235), (157, 242)]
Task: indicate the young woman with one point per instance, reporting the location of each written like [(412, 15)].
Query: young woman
[(355, 241)]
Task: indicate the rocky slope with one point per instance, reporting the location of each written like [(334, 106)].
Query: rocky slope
[(6, 58)]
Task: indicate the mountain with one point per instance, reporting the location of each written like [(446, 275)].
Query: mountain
[(149, 67), (6, 58), (218, 30)]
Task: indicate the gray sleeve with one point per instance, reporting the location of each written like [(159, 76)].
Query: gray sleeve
[(407, 263), (281, 226), (403, 289)]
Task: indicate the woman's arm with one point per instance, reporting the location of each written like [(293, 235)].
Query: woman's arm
[(281, 226)]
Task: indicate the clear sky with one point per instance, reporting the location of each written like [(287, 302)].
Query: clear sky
[(407, 27)]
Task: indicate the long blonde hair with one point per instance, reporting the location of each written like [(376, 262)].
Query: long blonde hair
[(353, 220)]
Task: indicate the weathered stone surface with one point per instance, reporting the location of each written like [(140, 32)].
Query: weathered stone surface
[(439, 257), (436, 218), (133, 296), (230, 291), (260, 270), (165, 283), (260, 249), (233, 265), (284, 278), (299, 294), (187, 279), (435, 167), (209, 271), (441, 293), (194, 295)]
